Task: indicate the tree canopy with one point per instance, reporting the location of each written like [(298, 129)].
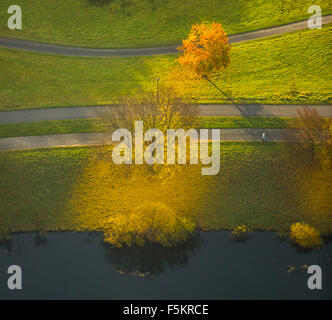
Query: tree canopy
[(206, 49)]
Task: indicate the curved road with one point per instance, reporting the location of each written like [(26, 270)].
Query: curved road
[(90, 52)]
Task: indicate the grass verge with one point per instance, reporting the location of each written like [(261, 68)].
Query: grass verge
[(51, 127), (96, 125), (272, 70), (68, 189)]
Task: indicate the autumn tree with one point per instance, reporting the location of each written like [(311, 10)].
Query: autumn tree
[(162, 110), (310, 127), (206, 51), (310, 130), (326, 150), (150, 222)]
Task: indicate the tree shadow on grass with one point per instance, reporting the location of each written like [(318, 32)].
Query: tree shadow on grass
[(254, 109)]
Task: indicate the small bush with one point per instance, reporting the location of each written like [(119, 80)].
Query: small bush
[(152, 222), (305, 236), (241, 232)]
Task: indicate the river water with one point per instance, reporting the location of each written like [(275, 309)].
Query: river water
[(72, 265)]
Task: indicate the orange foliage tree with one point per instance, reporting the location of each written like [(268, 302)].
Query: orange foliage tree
[(206, 50)]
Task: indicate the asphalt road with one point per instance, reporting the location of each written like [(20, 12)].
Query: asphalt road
[(90, 52), (245, 110), (93, 139)]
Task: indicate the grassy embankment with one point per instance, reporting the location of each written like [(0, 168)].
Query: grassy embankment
[(65, 189)]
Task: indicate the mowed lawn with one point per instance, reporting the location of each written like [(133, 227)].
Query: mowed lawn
[(139, 23), (51, 127), (97, 125), (290, 68), (72, 189)]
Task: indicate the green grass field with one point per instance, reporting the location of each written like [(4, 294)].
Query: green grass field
[(245, 122), (96, 125), (139, 23), (262, 71), (51, 127), (64, 189)]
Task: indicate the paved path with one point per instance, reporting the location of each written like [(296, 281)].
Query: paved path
[(93, 139), (57, 140), (244, 110), (90, 52)]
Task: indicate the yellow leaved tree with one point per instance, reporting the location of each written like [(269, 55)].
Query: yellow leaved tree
[(206, 49), (205, 54), (305, 236)]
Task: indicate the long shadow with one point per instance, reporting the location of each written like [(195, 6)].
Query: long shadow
[(252, 110)]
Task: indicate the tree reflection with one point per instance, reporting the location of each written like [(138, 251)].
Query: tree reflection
[(6, 245), (41, 239), (151, 259)]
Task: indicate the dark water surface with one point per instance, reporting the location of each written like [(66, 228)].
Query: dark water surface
[(80, 266)]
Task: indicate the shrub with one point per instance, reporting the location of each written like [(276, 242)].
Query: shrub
[(241, 232), (152, 222), (305, 236)]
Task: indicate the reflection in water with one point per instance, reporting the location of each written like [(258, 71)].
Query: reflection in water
[(151, 259), (13, 244), (6, 245), (41, 239), (209, 266)]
